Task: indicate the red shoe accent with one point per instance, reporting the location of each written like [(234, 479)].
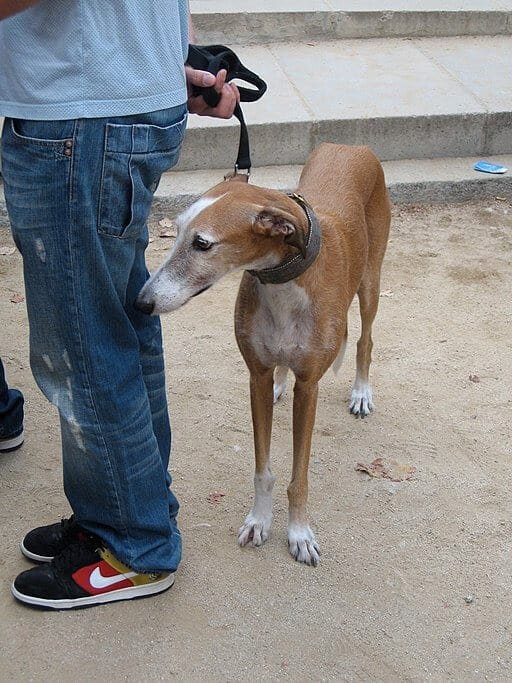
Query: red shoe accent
[(101, 577)]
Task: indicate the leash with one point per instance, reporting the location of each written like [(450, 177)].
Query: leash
[(213, 58)]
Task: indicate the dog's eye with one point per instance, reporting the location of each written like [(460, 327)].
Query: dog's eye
[(201, 243)]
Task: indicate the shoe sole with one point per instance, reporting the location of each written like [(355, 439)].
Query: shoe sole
[(102, 598), (7, 445), (33, 556)]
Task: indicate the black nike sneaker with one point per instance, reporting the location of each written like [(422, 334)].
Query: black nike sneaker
[(43, 543), (85, 574)]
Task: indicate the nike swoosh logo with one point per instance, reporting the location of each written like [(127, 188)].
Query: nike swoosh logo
[(98, 581)]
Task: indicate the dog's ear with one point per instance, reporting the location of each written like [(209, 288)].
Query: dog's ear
[(272, 221)]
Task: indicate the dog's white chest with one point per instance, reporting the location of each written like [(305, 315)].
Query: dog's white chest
[(282, 325)]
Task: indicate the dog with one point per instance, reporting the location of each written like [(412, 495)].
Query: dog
[(305, 256)]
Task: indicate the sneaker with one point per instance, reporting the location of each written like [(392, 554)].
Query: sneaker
[(11, 443), (43, 543), (82, 575)]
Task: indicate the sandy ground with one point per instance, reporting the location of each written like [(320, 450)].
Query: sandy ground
[(414, 582)]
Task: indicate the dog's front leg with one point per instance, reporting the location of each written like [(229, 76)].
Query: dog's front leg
[(256, 526), (301, 540)]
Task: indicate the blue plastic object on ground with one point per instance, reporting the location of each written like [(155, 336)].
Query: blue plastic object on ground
[(487, 167)]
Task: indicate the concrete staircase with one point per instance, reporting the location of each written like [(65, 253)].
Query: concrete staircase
[(428, 85)]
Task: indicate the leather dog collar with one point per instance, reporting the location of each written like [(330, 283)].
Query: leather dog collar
[(295, 265)]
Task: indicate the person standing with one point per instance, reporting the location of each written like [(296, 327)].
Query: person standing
[(95, 101)]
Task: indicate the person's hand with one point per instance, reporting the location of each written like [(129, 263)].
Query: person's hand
[(229, 95)]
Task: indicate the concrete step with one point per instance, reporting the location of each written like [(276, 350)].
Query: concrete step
[(406, 98), (409, 181), (233, 23)]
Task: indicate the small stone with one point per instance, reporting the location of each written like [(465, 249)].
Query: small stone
[(469, 599), (165, 223)]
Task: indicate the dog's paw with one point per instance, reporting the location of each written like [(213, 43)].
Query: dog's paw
[(361, 400), (254, 530), (302, 545)]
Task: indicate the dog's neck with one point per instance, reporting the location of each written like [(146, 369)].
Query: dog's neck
[(296, 264)]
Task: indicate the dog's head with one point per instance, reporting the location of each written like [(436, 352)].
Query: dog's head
[(234, 226)]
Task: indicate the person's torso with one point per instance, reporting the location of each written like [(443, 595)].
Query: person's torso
[(66, 59)]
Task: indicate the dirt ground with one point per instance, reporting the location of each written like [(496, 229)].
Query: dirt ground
[(414, 582)]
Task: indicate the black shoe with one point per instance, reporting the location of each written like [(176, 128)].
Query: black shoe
[(82, 575), (43, 543), (12, 442)]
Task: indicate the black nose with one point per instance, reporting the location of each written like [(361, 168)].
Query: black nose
[(144, 306)]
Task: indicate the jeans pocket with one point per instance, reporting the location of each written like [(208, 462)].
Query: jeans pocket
[(43, 138), (37, 170), (134, 159)]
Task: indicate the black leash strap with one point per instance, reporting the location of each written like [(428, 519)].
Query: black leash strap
[(213, 58)]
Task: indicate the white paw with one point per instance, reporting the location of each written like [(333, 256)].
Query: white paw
[(361, 400), (302, 545), (255, 530)]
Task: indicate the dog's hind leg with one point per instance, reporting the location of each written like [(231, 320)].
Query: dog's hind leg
[(280, 375), (338, 361), (361, 400), (377, 219), (257, 524)]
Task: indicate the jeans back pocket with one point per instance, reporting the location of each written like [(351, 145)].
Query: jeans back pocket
[(45, 139), (135, 156), (37, 170)]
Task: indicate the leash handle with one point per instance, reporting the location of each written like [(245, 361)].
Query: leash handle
[(213, 58)]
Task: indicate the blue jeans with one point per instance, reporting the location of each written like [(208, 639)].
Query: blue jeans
[(11, 408), (78, 194)]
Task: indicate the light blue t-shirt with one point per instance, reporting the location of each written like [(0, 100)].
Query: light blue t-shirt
[(67, 59)]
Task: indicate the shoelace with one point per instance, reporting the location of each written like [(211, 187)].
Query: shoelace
[(67, 525), (71, 532), (77, 554)]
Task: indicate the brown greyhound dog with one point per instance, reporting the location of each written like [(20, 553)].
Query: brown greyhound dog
[(305, 256)]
